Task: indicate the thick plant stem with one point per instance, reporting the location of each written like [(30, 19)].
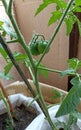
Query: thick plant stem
[(44, 107), (56, 30), (23, 76), (8, 51)]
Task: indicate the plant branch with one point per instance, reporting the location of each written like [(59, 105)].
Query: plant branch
[(12, 41), (8, 51), (56, 30), (51, 70), (45, 110), (29, 68), (5, 4), (58, 71), (10, 6), (20, 37), (21, 40)]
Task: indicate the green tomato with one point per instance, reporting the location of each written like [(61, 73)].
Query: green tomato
[(38, 47), (41, 46), (34, 49)]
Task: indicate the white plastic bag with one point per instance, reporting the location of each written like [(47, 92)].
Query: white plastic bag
[(17, 100), (39, 123)]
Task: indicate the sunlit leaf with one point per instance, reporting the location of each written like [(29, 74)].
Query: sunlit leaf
[(55, 16), (74, 63), (69, 26), (44, 5), (77, 9), (1, 23), (78, 2), (61, 4), (69, 21)]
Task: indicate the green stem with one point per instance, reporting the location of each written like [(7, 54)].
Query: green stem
[(20, 37), (44, 107), (8, 51), (5, 4), (56, 30), (22, 41), (10, 6), (29, 68), (58, 71), (12, 41), (51, 70)]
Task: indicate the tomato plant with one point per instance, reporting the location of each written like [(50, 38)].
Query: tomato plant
[(64, 12)]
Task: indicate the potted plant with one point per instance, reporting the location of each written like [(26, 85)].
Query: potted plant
[(65, 12)]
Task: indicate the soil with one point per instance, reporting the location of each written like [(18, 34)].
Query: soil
[(24, 115)]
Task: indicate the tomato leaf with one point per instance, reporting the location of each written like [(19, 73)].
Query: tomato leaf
[(78, 2), (71, 101), (69, 21), (61, 4), (44, 5), (74, 81), (56, 15), (8, 67), (74, 63), (3, 53)]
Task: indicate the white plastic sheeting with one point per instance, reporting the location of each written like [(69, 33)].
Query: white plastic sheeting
[(17, 100), (39, 123)]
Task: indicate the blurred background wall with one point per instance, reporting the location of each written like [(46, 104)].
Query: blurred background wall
[(29, 24)]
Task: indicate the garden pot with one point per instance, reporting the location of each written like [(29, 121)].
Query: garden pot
[(40, 123), (48, 93), (19, 101)]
